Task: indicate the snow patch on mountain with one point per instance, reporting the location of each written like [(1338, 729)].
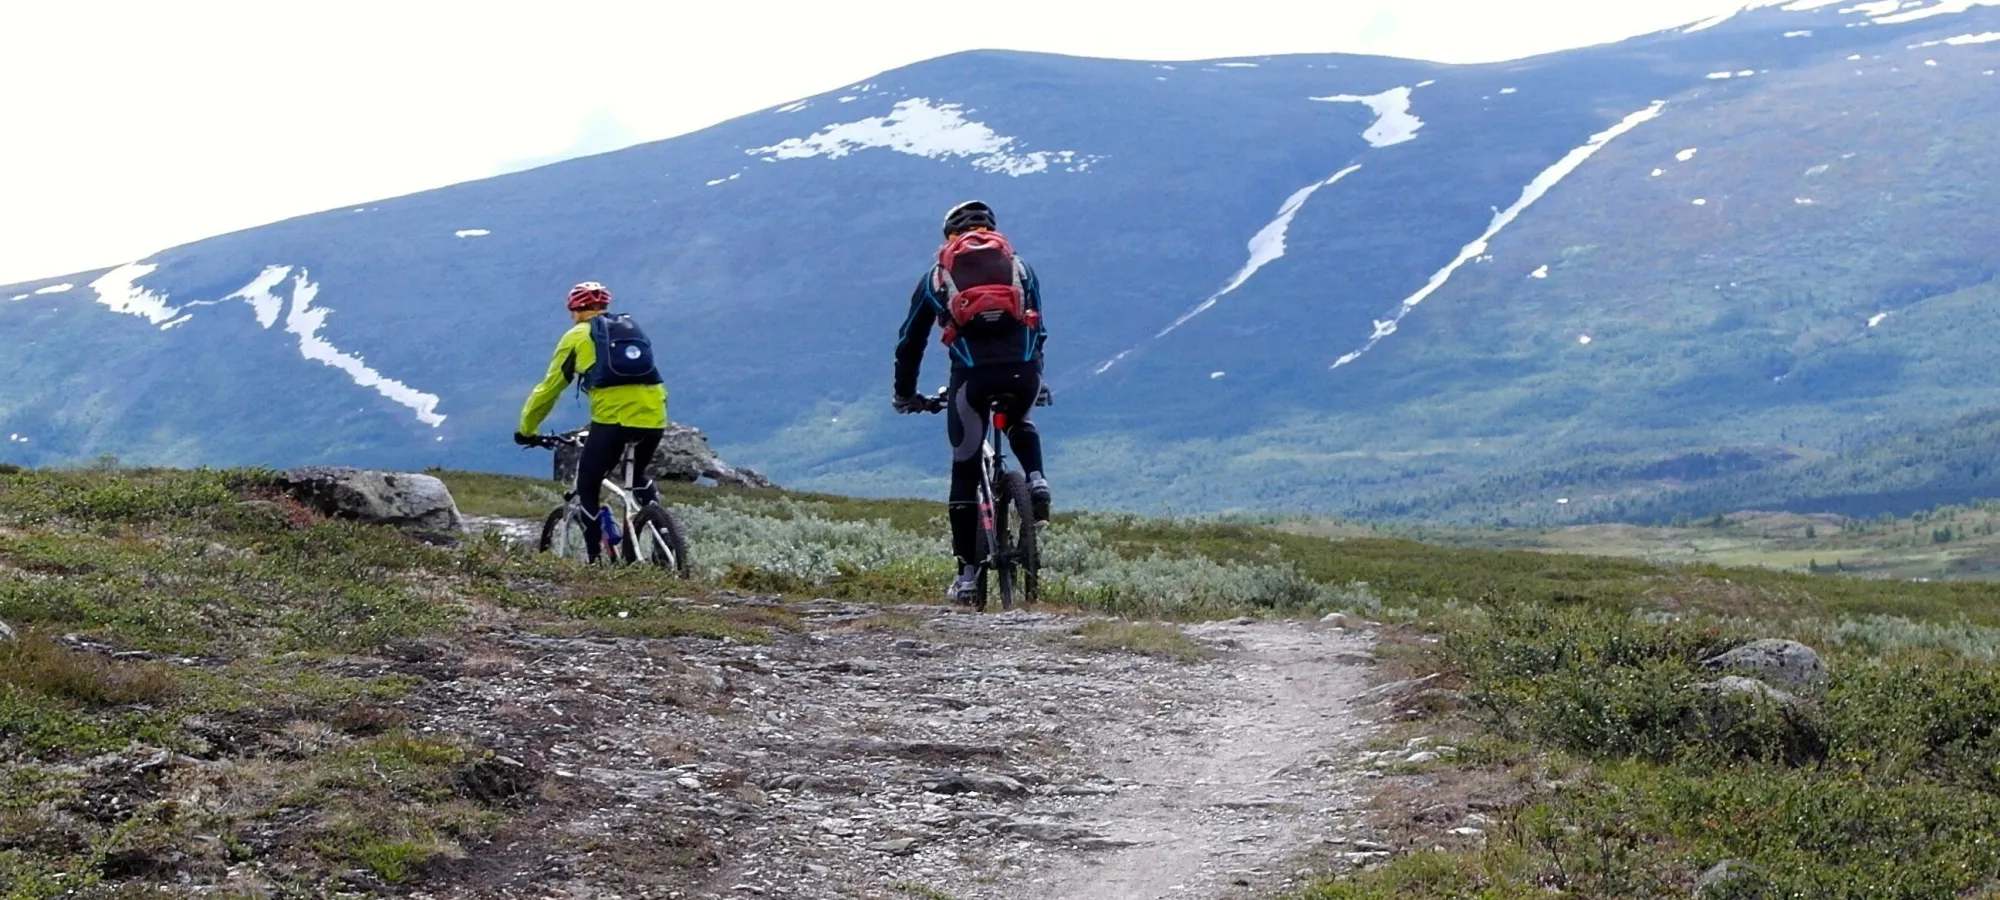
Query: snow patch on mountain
[(1542, 272), (1394, 123), (305, 321), (471, 233), (56, 289), (258, 294), (1943, 8), (1960, 41), (1687, 154), (920, 127), (1883, 12), (1266, 247), (21, 296), (1876, 319), (119, 290), (1534, 191)]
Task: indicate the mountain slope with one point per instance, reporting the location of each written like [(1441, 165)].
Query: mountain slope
[(1331, 283)]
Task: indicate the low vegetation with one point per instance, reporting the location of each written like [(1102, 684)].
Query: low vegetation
[(1143, 638), (210, 676)]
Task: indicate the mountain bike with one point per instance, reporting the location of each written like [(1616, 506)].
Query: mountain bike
[(1009, 536), (637, 532)]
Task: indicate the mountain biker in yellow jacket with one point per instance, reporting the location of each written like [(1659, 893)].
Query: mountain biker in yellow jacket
[(626, 407)]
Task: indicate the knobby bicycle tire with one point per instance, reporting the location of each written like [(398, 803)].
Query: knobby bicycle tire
[(1019, 557), (675, 541), (549, 526)]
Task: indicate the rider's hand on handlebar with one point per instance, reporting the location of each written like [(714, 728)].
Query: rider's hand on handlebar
[(1044, 398), (909, 403), (526, 440)]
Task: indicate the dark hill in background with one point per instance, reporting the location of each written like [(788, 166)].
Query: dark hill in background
[(1766, 319)]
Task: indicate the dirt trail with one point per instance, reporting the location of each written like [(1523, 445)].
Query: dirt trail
[(1231, 802), (910, 752)]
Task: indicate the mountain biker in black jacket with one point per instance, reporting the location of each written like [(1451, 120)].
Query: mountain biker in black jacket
[(988, 359)]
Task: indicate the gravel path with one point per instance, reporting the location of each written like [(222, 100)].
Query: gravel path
[(909, 752)]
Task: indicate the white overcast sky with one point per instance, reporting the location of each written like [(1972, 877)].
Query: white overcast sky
[(129, 127)]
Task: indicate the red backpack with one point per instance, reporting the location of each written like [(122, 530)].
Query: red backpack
[(979, 278)]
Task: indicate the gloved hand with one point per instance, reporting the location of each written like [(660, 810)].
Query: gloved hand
[(524, 439), (908, 403), (1044, 398)]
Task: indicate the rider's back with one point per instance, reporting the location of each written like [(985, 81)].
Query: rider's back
[(999, 341), (630, 405)]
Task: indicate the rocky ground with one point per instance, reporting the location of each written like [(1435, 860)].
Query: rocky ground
[(907, 752)]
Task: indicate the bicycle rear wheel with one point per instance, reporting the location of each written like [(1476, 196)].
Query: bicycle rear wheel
[(657, 539), (563, 535), (1018, 555)]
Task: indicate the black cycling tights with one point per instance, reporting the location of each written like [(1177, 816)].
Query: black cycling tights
[(972, 390), (601, 452)]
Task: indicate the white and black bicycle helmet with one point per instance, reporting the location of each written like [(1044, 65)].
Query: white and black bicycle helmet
[(967, 216)]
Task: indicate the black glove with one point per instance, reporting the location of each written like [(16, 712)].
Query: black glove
[(908, 403), (1044, 398), (525, 439)]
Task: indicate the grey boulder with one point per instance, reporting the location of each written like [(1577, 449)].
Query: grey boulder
[(6, 632), (1731, 700), (1751, 717), (402, 499), (1789, 665)]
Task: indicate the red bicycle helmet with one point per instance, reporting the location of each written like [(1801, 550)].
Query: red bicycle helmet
[(589, 295)]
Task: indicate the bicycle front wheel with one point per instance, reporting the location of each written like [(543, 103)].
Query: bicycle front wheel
[(657, 539), (563, 534)]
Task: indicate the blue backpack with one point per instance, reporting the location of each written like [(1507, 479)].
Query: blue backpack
[(624, 355)]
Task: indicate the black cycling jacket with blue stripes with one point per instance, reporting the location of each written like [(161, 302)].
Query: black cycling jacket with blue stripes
[(1010, 341)]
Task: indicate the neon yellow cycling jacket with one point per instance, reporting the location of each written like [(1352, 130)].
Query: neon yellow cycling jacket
[(630, 405)]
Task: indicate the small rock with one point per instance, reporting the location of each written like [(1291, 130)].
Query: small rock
[(1439, 813), (1051, 832), (899, 846), (975, 783), (1337, 620), (1424, 756), (1731, 878), (6, 632), (1789, 665), (1439, 700), (1372, 846), (1392, 690)]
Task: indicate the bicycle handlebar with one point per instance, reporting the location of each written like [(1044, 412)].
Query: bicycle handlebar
[(552, 441), (941, 400)]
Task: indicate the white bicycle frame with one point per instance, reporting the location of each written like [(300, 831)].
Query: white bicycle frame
[(572, 544)]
